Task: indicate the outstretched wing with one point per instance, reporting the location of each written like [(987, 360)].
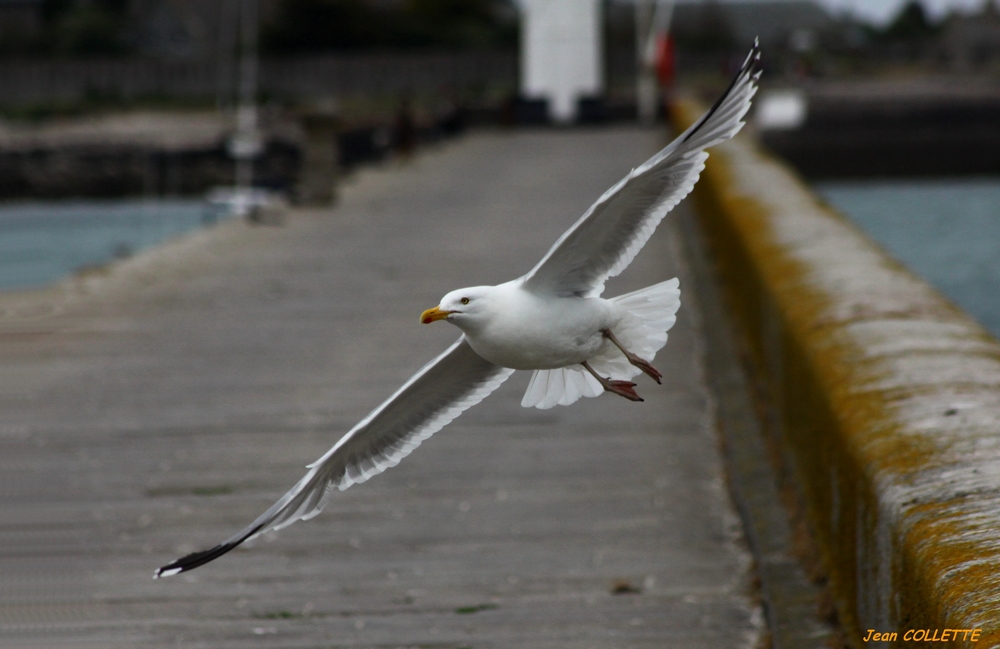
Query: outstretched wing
[(442, 390), (606, 239)]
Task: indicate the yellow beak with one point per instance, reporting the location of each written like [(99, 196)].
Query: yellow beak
[(430, 315)]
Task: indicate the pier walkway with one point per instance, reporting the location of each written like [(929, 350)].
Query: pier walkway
[(154, 409)]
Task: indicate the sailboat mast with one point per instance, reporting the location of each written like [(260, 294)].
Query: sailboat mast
[(246, 113)]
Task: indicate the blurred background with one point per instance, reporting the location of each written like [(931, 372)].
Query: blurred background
[(123, 122), (139, 421)]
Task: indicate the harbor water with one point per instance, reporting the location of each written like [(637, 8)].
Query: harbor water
[(42, 242), (947, 231)]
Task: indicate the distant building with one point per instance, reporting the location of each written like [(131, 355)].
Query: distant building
[(972, 40), (21, 17), (780, 24), (187, 28), (174, 29)]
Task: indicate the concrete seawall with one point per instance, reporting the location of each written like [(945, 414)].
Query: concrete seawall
[(886, 398)]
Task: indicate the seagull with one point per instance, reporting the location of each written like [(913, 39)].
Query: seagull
[(552, 321)]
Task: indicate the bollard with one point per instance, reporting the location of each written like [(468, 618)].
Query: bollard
[(320, 163)]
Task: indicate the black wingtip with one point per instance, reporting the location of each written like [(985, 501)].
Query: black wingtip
[(195, 559), (751, 67)]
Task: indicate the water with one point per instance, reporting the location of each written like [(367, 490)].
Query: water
[(43, 242), (947, 231)]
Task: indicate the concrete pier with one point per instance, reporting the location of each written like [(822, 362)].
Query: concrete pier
[(157, 408), (883, 402)]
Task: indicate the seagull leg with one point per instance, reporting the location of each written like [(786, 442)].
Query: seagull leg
[(641, 363), (622, 388)]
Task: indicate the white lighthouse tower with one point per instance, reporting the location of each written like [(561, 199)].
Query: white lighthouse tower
[(561, 53)]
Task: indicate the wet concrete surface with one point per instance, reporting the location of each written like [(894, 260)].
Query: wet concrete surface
[(157, 408)]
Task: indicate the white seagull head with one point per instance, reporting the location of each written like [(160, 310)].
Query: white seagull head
[(465, 308)]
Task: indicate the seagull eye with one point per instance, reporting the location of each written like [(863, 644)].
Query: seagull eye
[(464, 300)]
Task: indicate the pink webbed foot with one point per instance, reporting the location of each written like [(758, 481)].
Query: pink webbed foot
[(645, 366), (641, 363), (621, 388)]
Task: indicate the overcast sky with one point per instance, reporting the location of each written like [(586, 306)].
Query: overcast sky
[(880, 11)]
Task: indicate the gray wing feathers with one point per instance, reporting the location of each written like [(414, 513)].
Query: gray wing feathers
[(444, 388), (606, 239)]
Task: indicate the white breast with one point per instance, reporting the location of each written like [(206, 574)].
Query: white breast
[(528, 332)]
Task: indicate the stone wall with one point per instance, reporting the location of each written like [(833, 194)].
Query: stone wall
[(886, 401)]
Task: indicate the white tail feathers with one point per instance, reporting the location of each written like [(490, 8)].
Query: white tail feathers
[(561, 386), (649, 314)]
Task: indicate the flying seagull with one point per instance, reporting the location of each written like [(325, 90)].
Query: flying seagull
[(552, 321)]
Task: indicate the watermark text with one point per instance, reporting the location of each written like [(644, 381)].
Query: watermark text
[(924, 635)]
